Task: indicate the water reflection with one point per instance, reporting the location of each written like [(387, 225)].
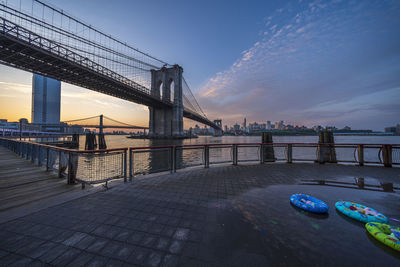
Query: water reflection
[(261, 222), (382, 246), (359, 183), (159, 159)]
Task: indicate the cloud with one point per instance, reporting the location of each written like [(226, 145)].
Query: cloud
[(315, 63), (9, 89)]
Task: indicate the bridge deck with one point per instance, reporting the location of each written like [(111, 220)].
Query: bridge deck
[(23, 49), (222, 216), (23, 184)]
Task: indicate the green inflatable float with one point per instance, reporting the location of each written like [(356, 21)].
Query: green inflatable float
[(387, 234)]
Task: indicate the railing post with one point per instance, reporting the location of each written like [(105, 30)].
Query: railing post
[(125, 166), (59, 164), (71, 169), (360, 151), (39, 157), (235, 154), (289, 153), (261, 154), (130, 164), (206, 156), (387, 155), (173, 151), (320, 154), (33, 153), (47, 158)]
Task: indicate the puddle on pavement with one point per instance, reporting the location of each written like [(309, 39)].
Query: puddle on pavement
[(262, 224), (364, 183)]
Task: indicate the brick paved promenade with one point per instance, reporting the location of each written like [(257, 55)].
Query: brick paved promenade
[(221, 216)]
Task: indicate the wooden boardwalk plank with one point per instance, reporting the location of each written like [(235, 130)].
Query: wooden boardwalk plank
[(22, 182)]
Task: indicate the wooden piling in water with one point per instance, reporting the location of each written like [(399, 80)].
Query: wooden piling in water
[(75, 141), (326, 148), (102, 141), (90, 143), (269, 155)]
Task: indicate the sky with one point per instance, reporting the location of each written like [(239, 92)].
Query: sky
[(305, 62)]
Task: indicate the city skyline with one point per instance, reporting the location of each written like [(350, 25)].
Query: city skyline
[(307, 62)]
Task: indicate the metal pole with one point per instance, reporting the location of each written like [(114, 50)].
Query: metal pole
[(171, 159), (59, 164), (235, 154), (47, 159), (125, 166), (206, 156), (39, 156), (261, 154), (360, 150), (71, 169), (130, 165), (289, 153), (33, 154), (174, 158)]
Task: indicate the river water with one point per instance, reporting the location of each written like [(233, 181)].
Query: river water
[(119, 141)]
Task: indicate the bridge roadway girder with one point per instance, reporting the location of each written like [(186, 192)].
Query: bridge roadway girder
[(28, 53), (110, 126)]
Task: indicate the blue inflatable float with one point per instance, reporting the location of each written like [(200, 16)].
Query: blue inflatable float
[(360, 212), (309, 203)]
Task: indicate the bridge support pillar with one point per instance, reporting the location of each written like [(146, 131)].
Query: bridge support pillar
[(167, 122)]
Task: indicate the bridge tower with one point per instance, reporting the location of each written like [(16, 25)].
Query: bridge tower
[(167, 122), (102, 140), (101, 124), (218, 132)]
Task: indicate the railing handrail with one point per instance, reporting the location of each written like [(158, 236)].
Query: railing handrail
[(201, 145), (258, 144), (62, 149), (324, 153)]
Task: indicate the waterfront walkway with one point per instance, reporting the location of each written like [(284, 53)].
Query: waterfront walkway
[(221, 216), (24, 185)]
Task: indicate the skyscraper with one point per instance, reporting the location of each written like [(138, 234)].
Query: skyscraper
[(46, 98), (268, 125), (244, 124)]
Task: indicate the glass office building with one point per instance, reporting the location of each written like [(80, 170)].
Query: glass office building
[(46, 98)]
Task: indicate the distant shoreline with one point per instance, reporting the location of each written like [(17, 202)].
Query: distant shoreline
[(310, 134)]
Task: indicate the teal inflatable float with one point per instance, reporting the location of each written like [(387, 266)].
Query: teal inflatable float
[(360, 212)]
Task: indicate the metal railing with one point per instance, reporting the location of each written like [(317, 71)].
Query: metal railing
[(146, 160), (85, 166), (98, 166)]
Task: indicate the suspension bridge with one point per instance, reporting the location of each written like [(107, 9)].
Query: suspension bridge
[(102, 122), (39, 38)]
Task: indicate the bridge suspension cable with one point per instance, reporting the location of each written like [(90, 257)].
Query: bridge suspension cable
[(55, 31), (60, 31), (126, 124), (84, 119), (199, 110), (98, 31)]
